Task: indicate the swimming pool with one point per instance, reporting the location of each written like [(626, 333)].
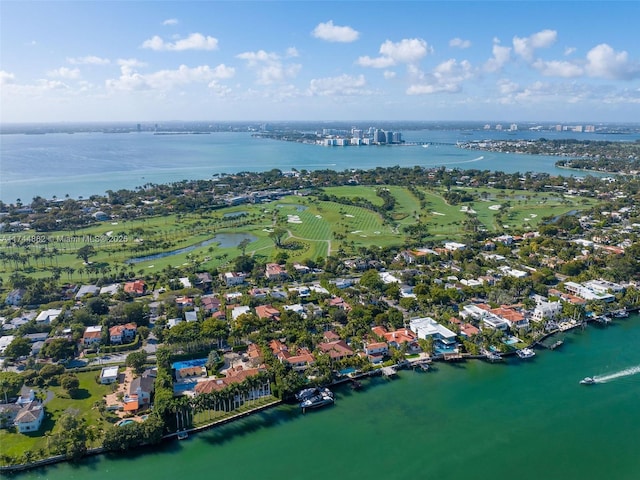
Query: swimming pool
[(198, 362), (126, 421)]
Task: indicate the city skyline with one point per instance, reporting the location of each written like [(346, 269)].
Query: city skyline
[(234, 61)]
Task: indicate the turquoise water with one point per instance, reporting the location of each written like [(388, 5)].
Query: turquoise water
[(530, 420), (92, 163)]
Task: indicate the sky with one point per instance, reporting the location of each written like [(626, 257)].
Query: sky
[(318, 60)]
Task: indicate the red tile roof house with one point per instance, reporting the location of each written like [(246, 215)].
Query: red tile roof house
[(398, 337), (268, 312), (235, 376), (376, 351), (119, 334), (273, 271), (136, 287), (302, 360), (515, 319), (255, 354), (210, 304), (337, 350), (467, 330), (184, 302), (92, 335), (340, 303)]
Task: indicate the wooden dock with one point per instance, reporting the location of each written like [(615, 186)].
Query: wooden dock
[(388, 372), (452, 357)]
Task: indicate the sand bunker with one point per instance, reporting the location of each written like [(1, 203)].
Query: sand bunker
[(438, 213), (318, 216), (348, 215), (293, 219), (495, 207)]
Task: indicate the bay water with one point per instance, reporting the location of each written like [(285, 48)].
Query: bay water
[(526, 419), (84, 164)]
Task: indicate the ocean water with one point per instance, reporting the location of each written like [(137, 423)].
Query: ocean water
[(524, 419), (83, 164)]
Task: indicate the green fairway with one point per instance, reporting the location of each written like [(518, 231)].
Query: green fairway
[(316, 227)]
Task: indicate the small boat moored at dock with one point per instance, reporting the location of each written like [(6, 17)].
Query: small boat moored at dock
[(316, 401), (526, 353)]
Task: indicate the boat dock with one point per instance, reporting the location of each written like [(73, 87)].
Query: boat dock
[(388, 371)]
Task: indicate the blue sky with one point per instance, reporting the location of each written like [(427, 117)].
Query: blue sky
[(313, 60)]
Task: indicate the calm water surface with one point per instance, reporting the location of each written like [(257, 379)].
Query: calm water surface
[(526, 419), (84, 164)]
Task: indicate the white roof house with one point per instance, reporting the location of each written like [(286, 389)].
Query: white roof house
[(428, 327), (237, 311), (47, 316), (109, 375)]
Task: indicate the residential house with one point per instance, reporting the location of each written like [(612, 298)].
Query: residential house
[(234, 376), (232, 279), (340, 303), (30, 417), (109, 375), (376, 351), (137, 287), (302, 360), (14, 297), (110, 289), (47, 316), (337, 349), (87, 290), (210, 304), (267, 312), (467, 330), (119, 334), (273, 271), (191, 315), (237, 311), (398, 337), (184, 301), (546, 310), (92, 335), (512, 316), (204, 281), (427, 327)]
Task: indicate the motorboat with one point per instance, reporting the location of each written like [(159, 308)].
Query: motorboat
[(526, 353), (308, 393), (588, 381), (316, 401)]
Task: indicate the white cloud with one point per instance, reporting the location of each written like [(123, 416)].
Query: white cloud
[(344, 85), (557, 68), (388, 74), (6, 78), (64, 72), (292, 52), (195, 41), (170, 21), (131, 80), (526, 47), (507, 87), (269, 67), (408, 50), (569, 50), (378, 62), (501, 55), (447, 77), (88, 60), (459, 43), (334, 33), (603, 61)]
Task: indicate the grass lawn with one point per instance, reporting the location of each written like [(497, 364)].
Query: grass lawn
[(15, 444)]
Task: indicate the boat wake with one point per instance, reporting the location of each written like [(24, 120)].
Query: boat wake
[(622, 373)]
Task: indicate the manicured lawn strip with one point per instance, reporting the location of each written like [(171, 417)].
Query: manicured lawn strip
[(15, 444), (363, 191), (406, 204)]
